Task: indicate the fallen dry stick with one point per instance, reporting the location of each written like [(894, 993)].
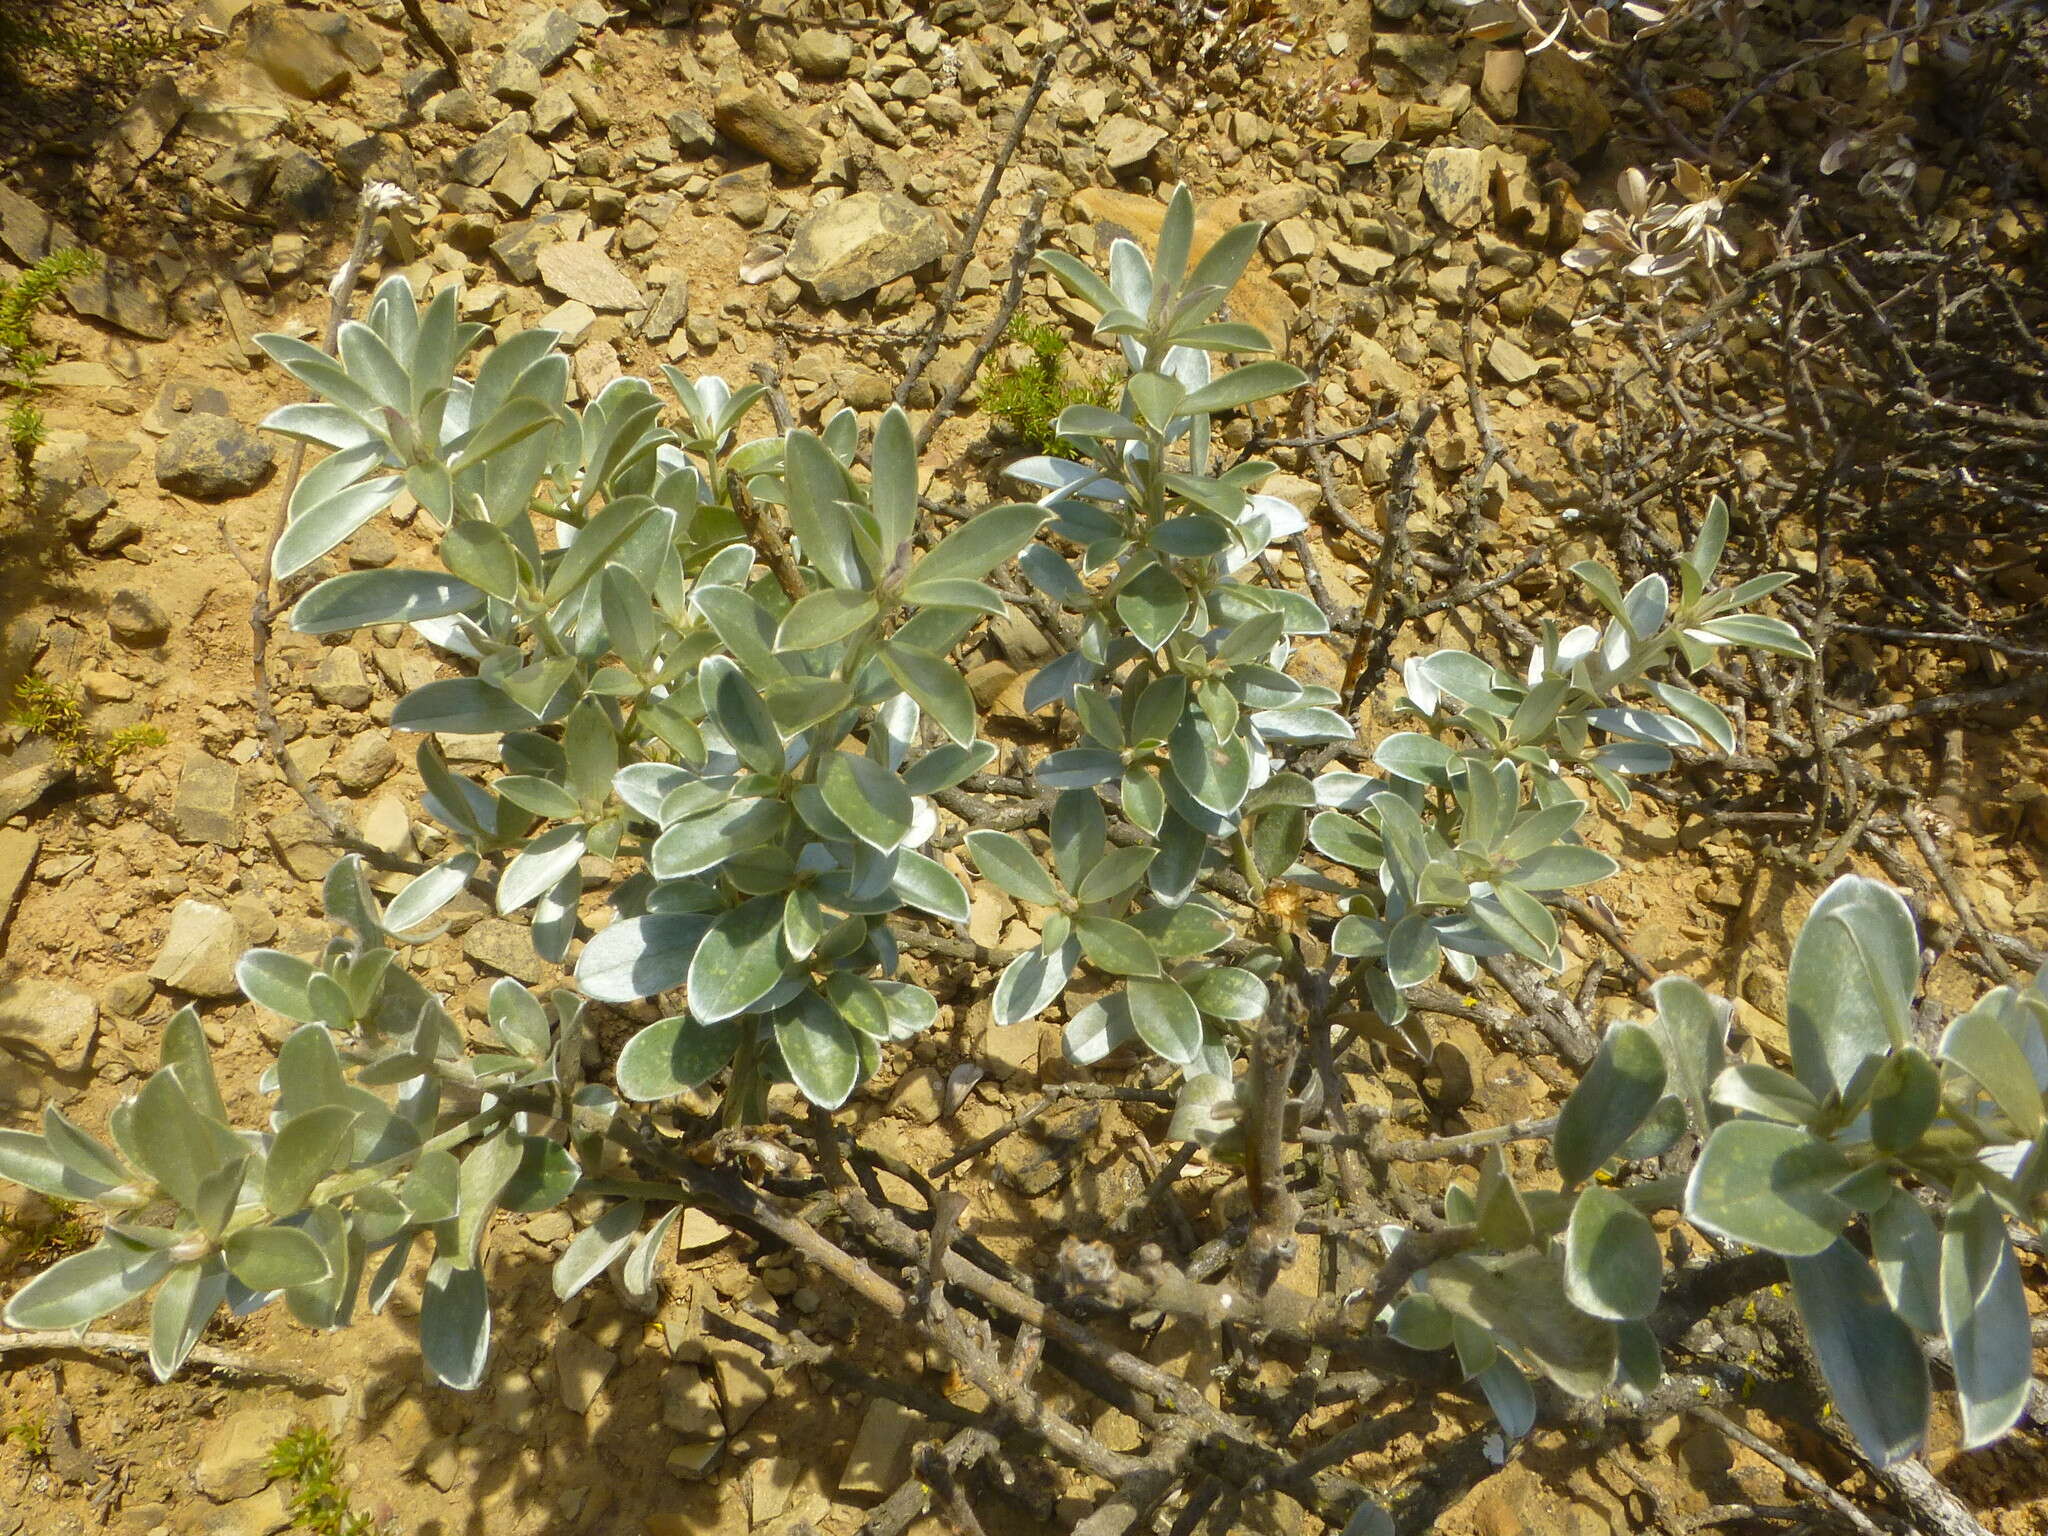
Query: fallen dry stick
[(230, 1362)]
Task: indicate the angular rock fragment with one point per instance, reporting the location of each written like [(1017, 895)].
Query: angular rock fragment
[(863, 241), (757, 121)]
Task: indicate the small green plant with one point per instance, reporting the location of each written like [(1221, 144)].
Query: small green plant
[(53, 710), (306, 1458), (44, 1242), (32, 1433), (1028, 400), (20, 301)]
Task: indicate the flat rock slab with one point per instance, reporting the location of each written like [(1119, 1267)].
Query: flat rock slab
[(1454, 179), (213, 458), (581, 1368), (209, 804), (47, 1024), (579, 270), (115, 293), (863, 241), (200, 951), (881, 1450), (1126, 143), (506, 947), (234, 1463), (547, 39)]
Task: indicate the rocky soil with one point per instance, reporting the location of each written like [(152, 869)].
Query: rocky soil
[(726, 192)]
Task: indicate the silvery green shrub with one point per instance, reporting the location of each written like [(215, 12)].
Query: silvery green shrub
[(759, 762), (1884, 1168)]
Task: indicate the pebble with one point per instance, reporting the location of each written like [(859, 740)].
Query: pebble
[(137, 619), (506, 947), (285, 46), (212, 458), (881, 1448), (821, 53), (367, 761), (200, 951), (341, 681), (1454, 178), (209, 804), (1126, 144), (18, 853), (581, 1368), (234, 1461)]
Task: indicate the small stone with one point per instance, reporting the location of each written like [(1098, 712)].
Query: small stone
[(1510, 362), (521, 243), (136, 619), (596, 365), (515, 79), (1455, 180), (24, 787), (519, 179), (387, 825), (881, 1449), (581, 1367), (47, 1025), (297, 57), (571, 320), (668, 311), (1500, 83), (372, 548), (691, 133), (546, 40), (209, 804), (1282, 202), (234, 1463), (918, 1097), (822, 54), (1126, 143), (366, 762), (580, 270), (699, 1231), (864, 241), (479, 161), (111, 535), (104, 687), (689, 1404), (340, 680), (1290, 240), (200, 951), (755, 120), (128, 995), (506, 947), (743, 1382), (301, 844), (869, 118), (211, 458)]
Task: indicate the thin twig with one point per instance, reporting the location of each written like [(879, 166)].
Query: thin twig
[(229, 1362), (991, 185)]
